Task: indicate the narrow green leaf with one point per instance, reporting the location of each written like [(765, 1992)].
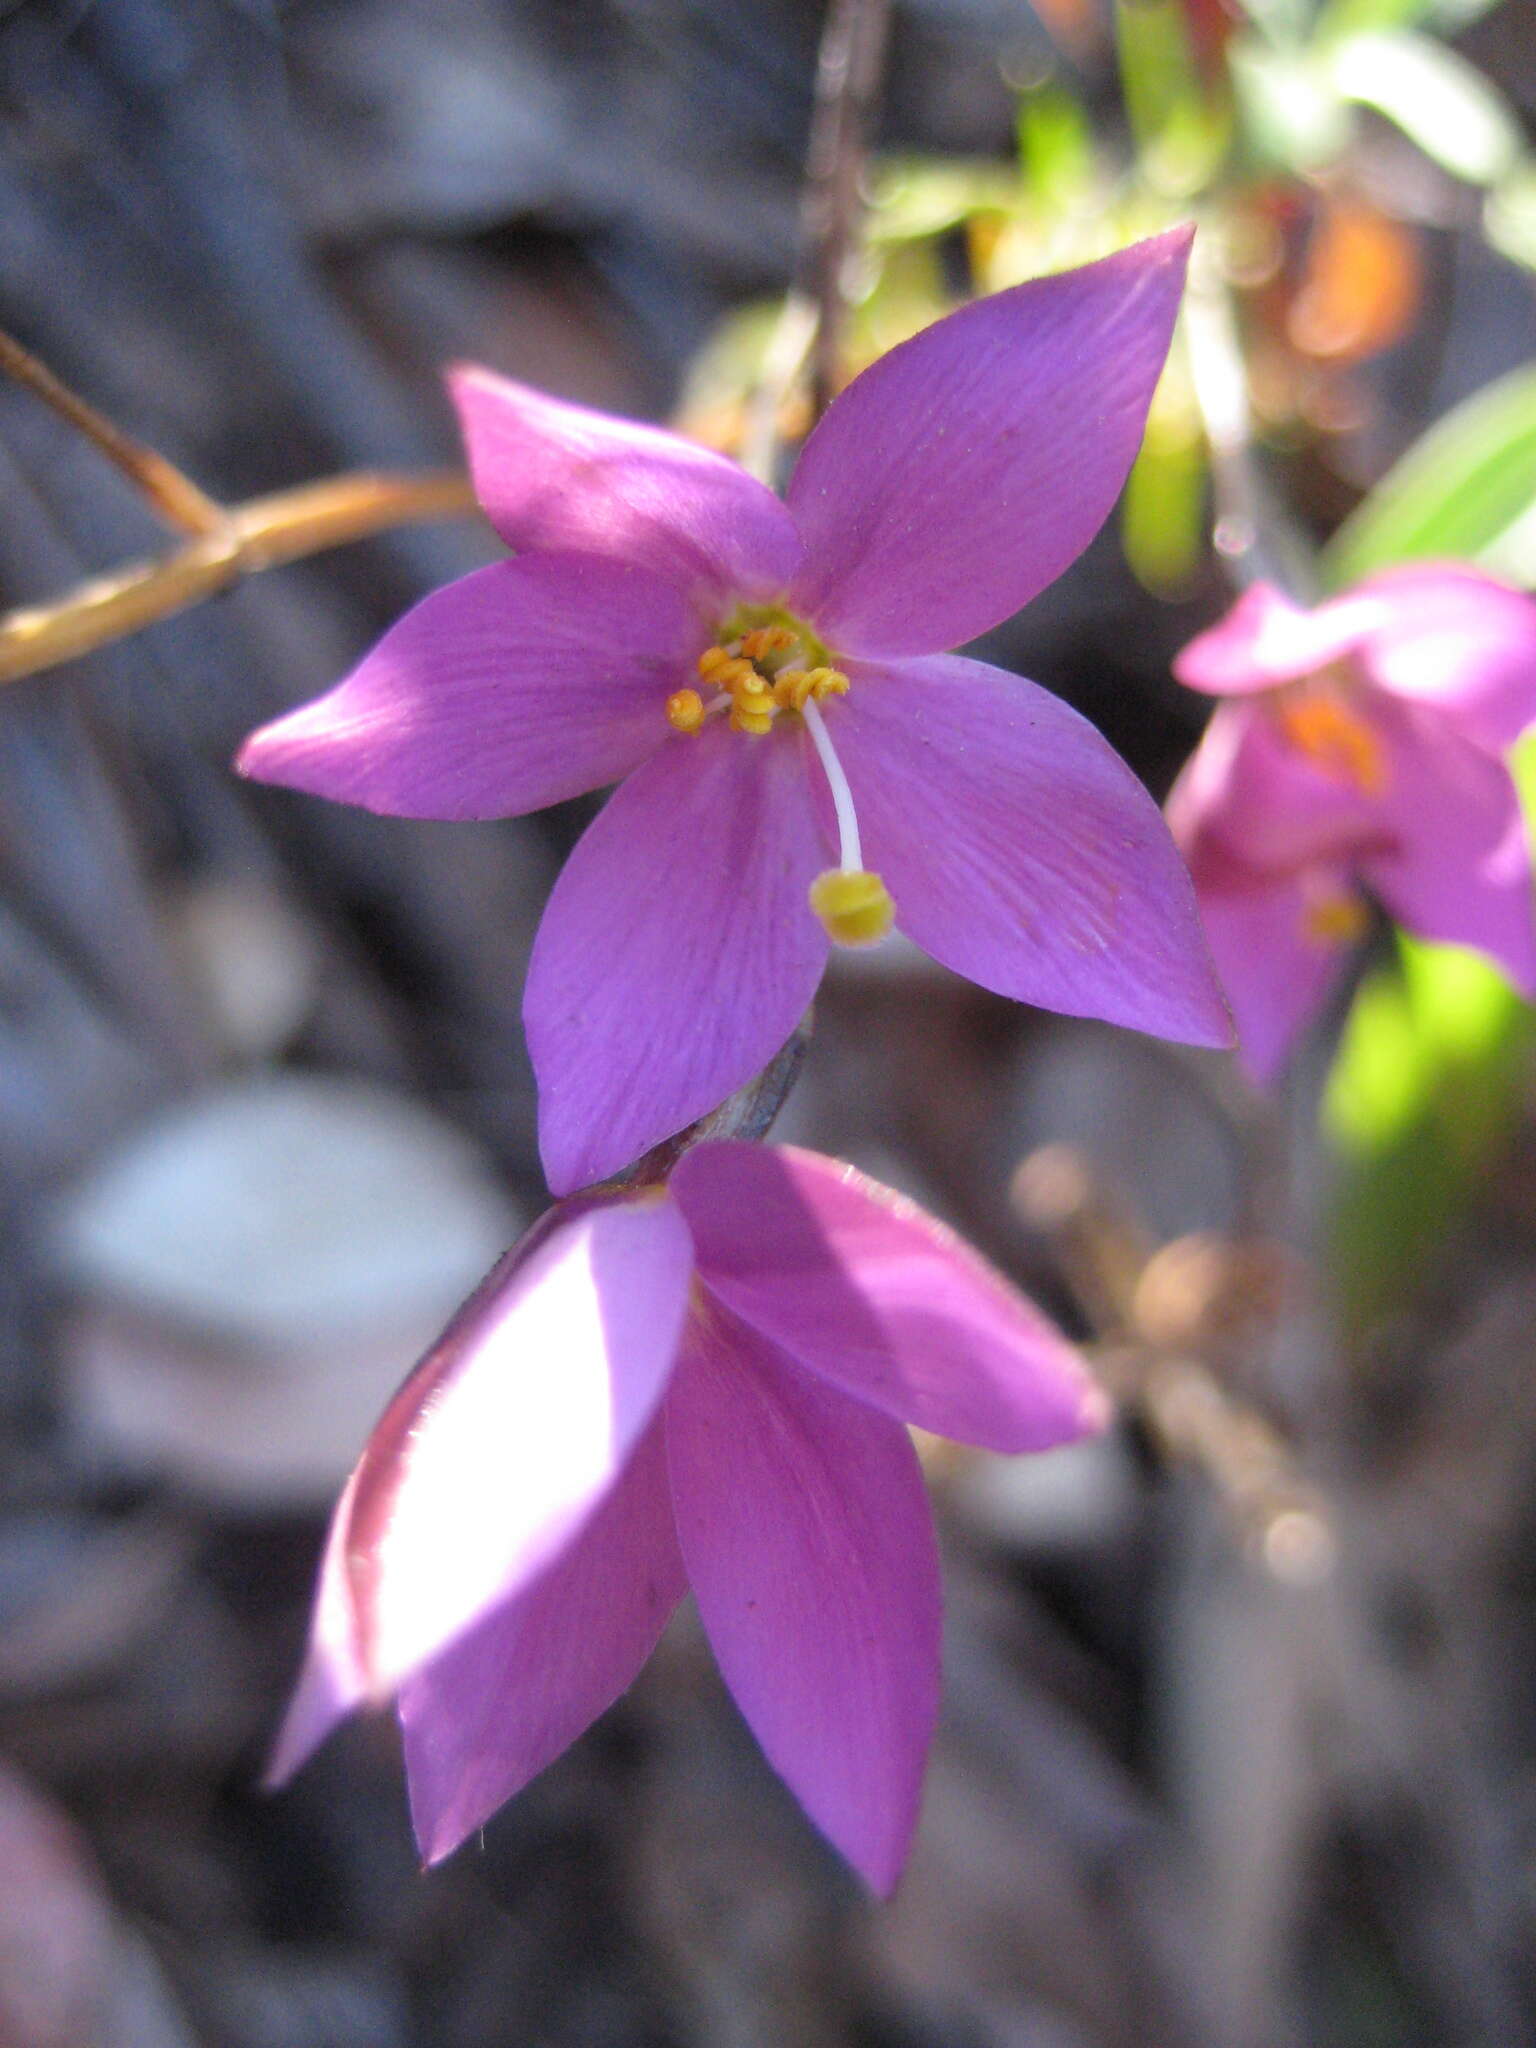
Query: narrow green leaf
[(1337, 19), (1458, 491), (1509, 214), (1181, 131), (1439, 100), (1056, 158), (914, 198)]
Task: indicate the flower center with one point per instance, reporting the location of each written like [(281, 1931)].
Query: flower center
[(765, 661), (765, 665), (1320, 722), (1335, 917)]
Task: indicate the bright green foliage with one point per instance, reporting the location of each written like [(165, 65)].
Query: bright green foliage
[(1466, 489), (1437, 98), (1420, 1103)]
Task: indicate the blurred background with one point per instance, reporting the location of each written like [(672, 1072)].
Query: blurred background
[(1240, 1730)]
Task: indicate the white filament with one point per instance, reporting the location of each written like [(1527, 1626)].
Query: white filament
[(850, 854)]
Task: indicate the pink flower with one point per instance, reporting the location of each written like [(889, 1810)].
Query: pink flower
[(853, 766), (1362, 756), (704, 1384)]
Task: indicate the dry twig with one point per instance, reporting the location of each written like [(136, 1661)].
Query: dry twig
[(226, 541)]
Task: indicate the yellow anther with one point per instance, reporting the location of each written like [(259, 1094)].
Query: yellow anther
[(854, 905), (1336, 739), (745, 666), (794, 685), (685, 710), (1335, 920), (828, 682), (764, 640), (752, 714)]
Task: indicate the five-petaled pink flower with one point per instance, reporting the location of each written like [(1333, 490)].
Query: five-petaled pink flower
[(1363, 754), (707, 1385), (853, 765)]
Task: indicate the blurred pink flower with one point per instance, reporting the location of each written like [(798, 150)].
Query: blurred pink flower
[(861, 774), (700, 1385), (1362, 756)]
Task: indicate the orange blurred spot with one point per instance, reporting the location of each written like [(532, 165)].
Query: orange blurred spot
[(1337, 739), (1362, 287)]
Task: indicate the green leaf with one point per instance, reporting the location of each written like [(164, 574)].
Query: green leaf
[(1459, 490), (1162, 514), (1292, 118), (1423, 1097), (1421, 1101), (1339, 18), (1438, 99), (1056, 157), (915, 198), (1509, 214), (1180, 130)]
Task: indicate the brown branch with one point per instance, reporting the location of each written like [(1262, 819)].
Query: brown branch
[(1154, 1314), (175, 497), (258, 535), (848, 73)]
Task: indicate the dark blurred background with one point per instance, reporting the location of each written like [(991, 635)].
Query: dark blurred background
[(1239, 1744)]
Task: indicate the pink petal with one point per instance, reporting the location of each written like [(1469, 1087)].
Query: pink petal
[(1458, 640), (1458, 867), (1274, 964), (332, 1681), (498, 1448), (515, 687), (678, 950), (553, 475), (1254, 793), (506, 1699), (864, 1289), (1020, 849), (963, 471), (1265, 639), (806, 1533)]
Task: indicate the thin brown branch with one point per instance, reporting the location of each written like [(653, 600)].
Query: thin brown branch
[(258, 535), (1154, 1313), (174, 497), (848, 74)]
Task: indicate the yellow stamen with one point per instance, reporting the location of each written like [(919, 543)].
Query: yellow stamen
[(685, 710), (1335, 920), (1336, 738), (765, 640), (854, 905), (793, 686), (754, 715), (748, 665)]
